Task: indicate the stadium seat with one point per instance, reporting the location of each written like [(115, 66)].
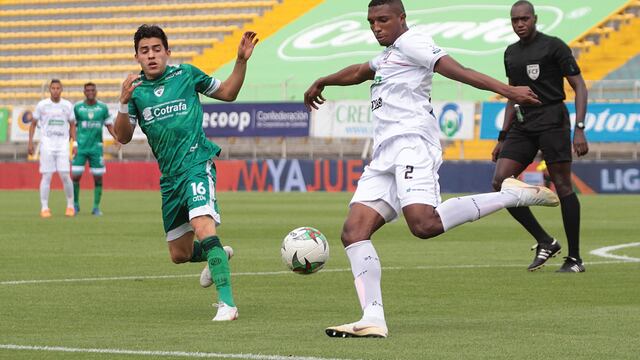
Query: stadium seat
[(70, 39)]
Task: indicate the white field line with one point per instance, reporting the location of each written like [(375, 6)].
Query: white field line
[(157, 353), (605, 252), (286, 272)]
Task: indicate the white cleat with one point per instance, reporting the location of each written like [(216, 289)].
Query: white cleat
[(205, 275), (357, 329), (529, 195), (225, 312)]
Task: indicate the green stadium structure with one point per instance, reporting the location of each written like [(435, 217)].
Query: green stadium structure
[(336, 34)]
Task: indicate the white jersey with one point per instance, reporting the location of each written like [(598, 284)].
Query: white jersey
[(54, 121), (401, 90)]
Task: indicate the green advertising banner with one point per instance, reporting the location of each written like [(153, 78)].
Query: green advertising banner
[(4, 124), (336, 34)]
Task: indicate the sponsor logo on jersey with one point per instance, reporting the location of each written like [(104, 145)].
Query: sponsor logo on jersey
[(164, 111), (159, 90), (56, 122), (533, 71), (376, 103), (172, 75), (450, 119)]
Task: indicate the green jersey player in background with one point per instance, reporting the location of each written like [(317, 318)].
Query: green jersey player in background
[(91, 116), (164, 101)]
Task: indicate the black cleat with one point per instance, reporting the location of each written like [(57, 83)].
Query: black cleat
[(544, 252), (571, 265)]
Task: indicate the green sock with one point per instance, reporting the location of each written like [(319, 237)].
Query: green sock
[(97, 194), (219, 267), (198, 254), (76, 194)]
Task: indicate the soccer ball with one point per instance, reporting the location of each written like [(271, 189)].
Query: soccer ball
[(305, 250)]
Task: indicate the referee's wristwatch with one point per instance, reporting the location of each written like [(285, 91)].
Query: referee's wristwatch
[(580, 125)]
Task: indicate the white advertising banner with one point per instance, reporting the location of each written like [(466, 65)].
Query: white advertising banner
[(352, 119), (20, 121)]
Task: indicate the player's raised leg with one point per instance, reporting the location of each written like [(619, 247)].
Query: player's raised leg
[(426, 223)]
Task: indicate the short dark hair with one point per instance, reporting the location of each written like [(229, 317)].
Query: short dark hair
[(55, 81), (150, 31), (387, 2), (89, 84), (527, 3)]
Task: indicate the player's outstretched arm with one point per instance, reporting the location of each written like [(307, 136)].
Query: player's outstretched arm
[(448, 67), (351, 75), (122, 127), (229, 89)]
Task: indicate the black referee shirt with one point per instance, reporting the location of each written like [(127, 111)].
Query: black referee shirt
[(542, 65)]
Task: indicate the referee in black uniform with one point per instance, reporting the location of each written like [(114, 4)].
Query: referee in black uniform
[(542, 62)]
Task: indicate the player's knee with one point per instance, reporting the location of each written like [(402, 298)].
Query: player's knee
[(425, 229), (97, 180), (180, 258), (351, 234)]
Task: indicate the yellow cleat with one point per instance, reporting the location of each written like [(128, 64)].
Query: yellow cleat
[(70, 212), (45, 213)]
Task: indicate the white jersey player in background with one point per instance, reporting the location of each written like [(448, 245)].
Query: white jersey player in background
[(402, 176), (56, 121)]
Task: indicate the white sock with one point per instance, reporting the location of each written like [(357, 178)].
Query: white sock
[(367, 273), (67, 185), (457, 211), (45, 188)]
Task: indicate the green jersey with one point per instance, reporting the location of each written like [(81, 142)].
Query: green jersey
[(90, 119), (169, 112)]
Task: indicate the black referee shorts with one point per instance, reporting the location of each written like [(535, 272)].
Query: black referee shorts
[(545, 129)]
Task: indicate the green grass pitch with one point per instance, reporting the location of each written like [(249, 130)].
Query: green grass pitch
[(463, 295)]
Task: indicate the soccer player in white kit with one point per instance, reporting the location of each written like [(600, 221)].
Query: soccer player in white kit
[(402, 176), (57, 123)]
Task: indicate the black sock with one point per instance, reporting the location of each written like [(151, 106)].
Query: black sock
[(571, 219), (525, 218)]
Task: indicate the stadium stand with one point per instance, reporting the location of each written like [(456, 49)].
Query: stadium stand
[(71, 39)]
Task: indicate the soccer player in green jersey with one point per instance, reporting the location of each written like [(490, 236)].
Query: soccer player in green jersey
[(164, 101), (91, 116)]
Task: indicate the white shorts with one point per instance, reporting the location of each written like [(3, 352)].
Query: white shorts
[(403, 171), (52, 160)]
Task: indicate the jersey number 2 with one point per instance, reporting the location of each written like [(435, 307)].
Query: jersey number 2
[(408, 171)]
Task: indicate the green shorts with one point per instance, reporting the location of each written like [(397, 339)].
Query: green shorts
[(187, 196), (96, 162)]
